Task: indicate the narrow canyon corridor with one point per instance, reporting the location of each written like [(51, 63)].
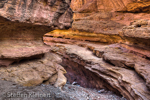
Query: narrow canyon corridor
[(75, 49)]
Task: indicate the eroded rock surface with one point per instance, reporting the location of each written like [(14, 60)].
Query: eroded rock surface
[(30, 64), (110, 5), (67, 36), (21, 31), (122, 71), (100, 15), (122, 68), (54, 13), (100, 27), (139, 6), (137, 33), (99, 5)]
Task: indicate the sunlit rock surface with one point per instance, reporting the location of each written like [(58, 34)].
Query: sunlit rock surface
[(89, 12), (110, 5)]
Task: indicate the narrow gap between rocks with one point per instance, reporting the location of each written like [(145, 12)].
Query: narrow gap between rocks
[(80, 76)]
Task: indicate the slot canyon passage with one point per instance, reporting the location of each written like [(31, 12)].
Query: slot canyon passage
[(75, 50)]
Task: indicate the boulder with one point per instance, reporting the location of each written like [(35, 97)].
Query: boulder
[(137, 33), (30, 64)]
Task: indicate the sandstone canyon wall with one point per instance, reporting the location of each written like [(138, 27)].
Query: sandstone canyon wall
[(123, 68), (42, 16), (110, 5), (42, 12), (121, 11), (110, 17)]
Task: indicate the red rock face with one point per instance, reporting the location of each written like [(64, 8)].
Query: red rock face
[(120, 11), (21, 31), (42, 12), (110, 5), (105, 5)]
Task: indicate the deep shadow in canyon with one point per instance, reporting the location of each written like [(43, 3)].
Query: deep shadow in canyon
[(21, 31), (77, 74)]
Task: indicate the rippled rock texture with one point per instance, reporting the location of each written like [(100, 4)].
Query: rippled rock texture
[(136, 34), (56, 13), (110, 5), (122, 67)]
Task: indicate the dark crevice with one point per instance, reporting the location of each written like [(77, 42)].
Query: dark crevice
[(27, 59), (84, 77)]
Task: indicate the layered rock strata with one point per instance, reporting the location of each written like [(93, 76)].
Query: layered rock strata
[(122, 68), (110, 5), (21, 31), (100, 15), (30, 64), (54, 13), (63, 35), (136, 34)]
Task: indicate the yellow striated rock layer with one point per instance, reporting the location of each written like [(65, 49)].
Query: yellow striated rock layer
[(83, 36)]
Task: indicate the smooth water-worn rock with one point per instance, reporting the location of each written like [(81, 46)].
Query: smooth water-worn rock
[(119, 70)]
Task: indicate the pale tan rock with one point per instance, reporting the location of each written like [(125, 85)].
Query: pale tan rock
[(61, 79), (138, 33), (52, 80), (143, 69), (127, 60), (29, 73), (139, 23), (119, 73), (31, 69)]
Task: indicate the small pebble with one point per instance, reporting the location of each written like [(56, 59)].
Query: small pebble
[(74, 83), (101, 91)]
